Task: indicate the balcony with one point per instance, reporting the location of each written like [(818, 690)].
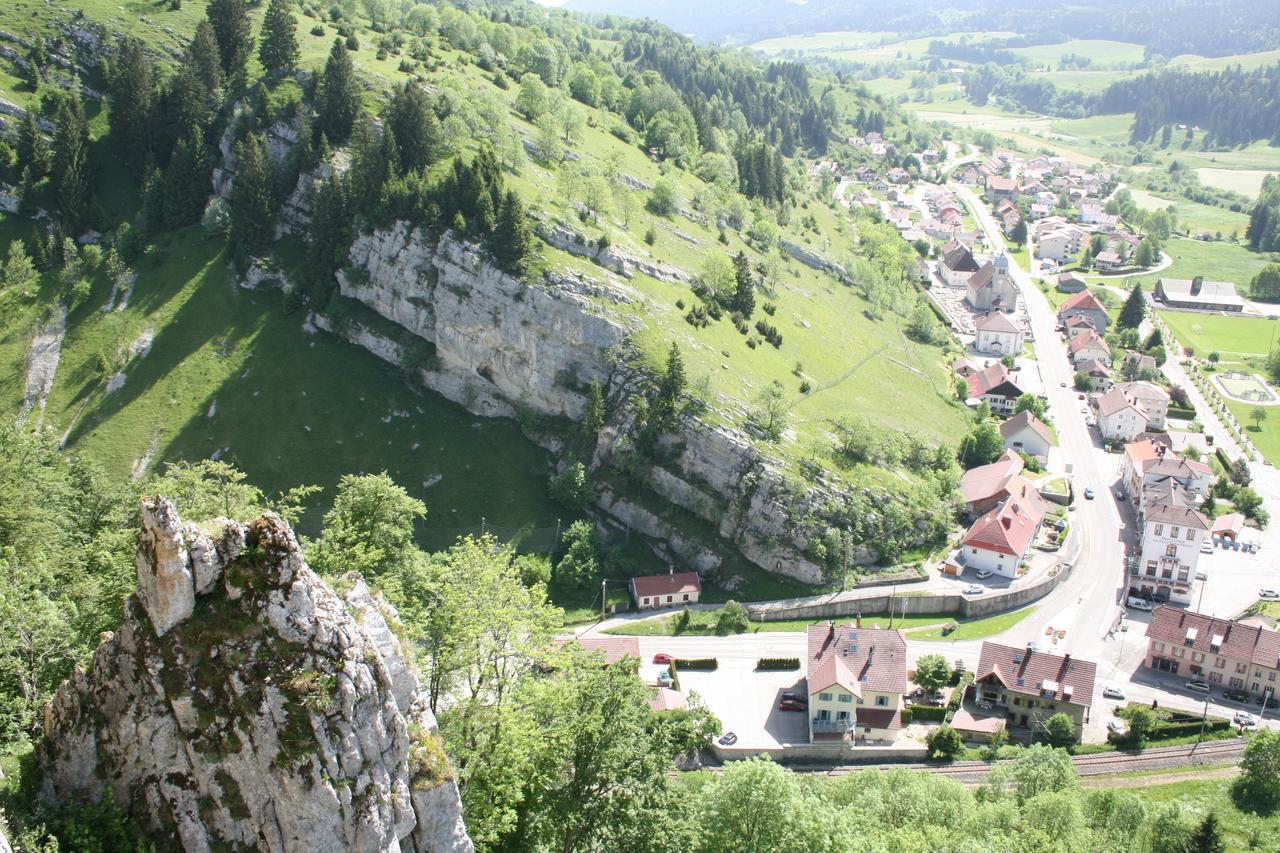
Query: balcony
[(830, 726)]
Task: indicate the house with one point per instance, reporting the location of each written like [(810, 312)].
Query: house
[(1079, 324), (1172, 530), (865, 175), (898, 175), (613, 648), (856, 679), (1118, 418), (667, 699), (998, 188), (965, 367), (972, 175), (1225, 653), (1085, 304), (1098, 371), (673, 589), (1090, 212), (1153, 399), (1136, 363), (1089, 345), (930, 156), (1108, 261), (998, 540), (993, 386), (992, 287), (1028, 686), (1059, 244), (984, 487), (997, 334), (1069, 282), (1197, 293), (1025, 433), (957, 265)]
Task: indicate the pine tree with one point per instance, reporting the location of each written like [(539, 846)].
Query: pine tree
[(37, 59), (186, 182), (1134, 310), (130, 94), (328, 238), (671, 386), (1207, 838), (337, 95), (369, 171), (593, 417), (512, 240), (279, 50), (233, 32), (414, 124), (33, 148), (203, 56), (73, 181), (251, 219), (744, 294)]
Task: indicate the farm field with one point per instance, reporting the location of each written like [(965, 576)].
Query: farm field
[(1199, 218), (1090, 82), (833, 41), (1244, 181), (1098, 51), (1247, 61), (1218, 261)]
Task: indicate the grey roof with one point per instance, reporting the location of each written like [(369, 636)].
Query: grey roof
[(1209, 292)]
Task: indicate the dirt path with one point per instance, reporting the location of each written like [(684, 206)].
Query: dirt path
[(42, 363), (1158, 778)]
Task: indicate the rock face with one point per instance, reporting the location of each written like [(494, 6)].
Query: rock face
[(244, 705)]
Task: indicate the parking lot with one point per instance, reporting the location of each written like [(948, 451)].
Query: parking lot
[(746, 701)]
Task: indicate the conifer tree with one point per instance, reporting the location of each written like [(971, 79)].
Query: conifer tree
[(73, 182), (251, 219), (37, 59), (512, 239), (328, 238), (369, 171), (130, 94), (671, 386), (593, 418), (204, 57), (744, 294), (1134, 310), (338, 95), (279, 50), (233, 32), (414, 124), (186, 182), (33, 148)]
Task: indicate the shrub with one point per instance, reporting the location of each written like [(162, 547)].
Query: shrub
[(768, 664), (944, 742), (732, 619), (697, 664), (929, 712)]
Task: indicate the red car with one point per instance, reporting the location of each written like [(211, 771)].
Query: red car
[(662, 657), (792, 705)]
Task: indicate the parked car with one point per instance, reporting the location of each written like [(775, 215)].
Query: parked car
[(664, 678), (1235, 694), (1268, 592), (1243, 718), (792, 705), (1088, 494), (662, 657), (1116, 727), (1198, 686), (1119, 494), (792, 696), (1079, 396), (1062, 384), (1206, 547), (727, 739), (1272, 702), (1113, 693), (983, 574), (1139, 603), (974, 589)]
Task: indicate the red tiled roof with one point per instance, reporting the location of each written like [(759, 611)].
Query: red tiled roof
[(1080, 320), (614, 648), (987, 481), (1231, 523), (1239, 642), (668, 700), (1010, 527), (995, 182), (647, 586), (880, 718), (1114, 401), (1140, 453), (1084, 300), (990, 378), (875, 658), (1089, 339), (1093, 366), (1059, 677)]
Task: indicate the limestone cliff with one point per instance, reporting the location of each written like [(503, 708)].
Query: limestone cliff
[(502, 344), (244, 705)]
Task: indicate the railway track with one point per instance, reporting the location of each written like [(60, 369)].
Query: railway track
[(1097, 764)]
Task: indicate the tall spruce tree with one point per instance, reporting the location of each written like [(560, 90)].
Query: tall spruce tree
[(205, 57), (73, 180), (1134, 310), (233, 32), (744, 292), (329, 236), (279, 50), (33, 148), (130, 94), (414, 124), (251, 214), (338, 95), (512, 239), (671, 386), (186, 182)]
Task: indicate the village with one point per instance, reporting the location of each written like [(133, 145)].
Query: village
[(1108, 512)]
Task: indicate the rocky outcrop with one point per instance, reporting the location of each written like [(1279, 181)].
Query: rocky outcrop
[(244, 705), (624, 263), (811, 259)]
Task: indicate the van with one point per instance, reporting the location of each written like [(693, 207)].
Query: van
[(1139, 603)]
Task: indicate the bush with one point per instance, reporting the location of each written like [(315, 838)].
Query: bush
[(944, 742), (697, 664), (732, 619), (929, 712), (768, 664)]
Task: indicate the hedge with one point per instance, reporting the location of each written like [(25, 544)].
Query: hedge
[(777, 663), (697, 663), (957, 695), (907, 715), (928, 712)]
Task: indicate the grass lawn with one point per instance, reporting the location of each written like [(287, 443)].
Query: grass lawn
[(1199, 218), (1244, 181), (1090, 82), (1241, 830), (1267, 609), (1226, 334), (975, 629), (1217, 261), (1267, 437), (702, 623)]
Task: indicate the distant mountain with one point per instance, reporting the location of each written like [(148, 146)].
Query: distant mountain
[(1167, 27)]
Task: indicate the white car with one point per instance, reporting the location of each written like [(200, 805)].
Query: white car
[(1206, 547), (1116, 727), (1202, 575), (1244, 718), (1139, 603), (983, 574), (974, 589), (1267, 592), (1113, 693)]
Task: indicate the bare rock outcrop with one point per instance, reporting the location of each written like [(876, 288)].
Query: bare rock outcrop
[(244, 705)]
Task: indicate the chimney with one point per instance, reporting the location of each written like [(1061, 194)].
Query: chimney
[(831, 630), (671, 571)]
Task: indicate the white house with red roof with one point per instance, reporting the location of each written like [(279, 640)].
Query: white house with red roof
[(1085, 304), (997, 334), (1028, 687), (1087, 346), (1079, 324), (674, 589), (1119, 418), (999, 540), (993, 386), (1025, 433), (856, 678)]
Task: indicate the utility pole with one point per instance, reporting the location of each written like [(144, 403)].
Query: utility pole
[(1204, 718), (604, 597)]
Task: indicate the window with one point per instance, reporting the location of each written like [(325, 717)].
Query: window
[(882, 701), (1198, 657), (844, 697), (1183, 573), (1171, 550), (824, 716), (1271, 676), (686, 596), (668, 599), (825, 697), (842, 715), (1173, 532), (1191, 535), (1159, 529), (1242, 668), (1219, 663)]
